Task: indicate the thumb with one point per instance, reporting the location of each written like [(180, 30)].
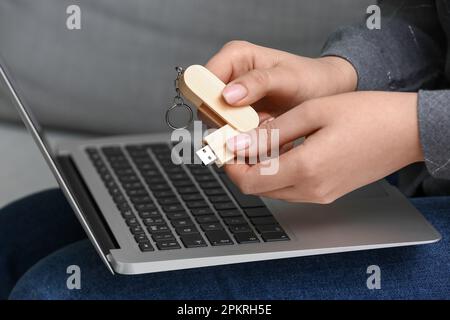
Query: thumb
[(271, 135), (254, 85)]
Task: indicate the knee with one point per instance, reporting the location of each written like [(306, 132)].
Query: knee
[(52, 279)]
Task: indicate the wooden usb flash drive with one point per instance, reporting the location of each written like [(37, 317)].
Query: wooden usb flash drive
[(201, 87)]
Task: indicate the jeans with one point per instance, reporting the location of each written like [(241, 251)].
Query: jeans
[(40, 237)]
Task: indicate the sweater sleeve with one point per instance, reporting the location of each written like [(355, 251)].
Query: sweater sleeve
[(434, 129), (406, 54)]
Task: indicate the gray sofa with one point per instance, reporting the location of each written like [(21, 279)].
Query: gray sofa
[(115, 75)]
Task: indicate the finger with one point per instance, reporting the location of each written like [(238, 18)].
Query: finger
[(286, 147), (238, 57), (264, 117), (295, 123), (264, 176), (234, 59), (256, 84)]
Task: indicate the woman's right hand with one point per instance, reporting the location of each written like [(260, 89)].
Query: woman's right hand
[(274, 81)]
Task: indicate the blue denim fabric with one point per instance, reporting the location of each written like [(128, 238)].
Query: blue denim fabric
[(42, 223)]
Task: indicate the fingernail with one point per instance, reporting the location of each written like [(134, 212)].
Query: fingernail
[(239, 142), (267, 120), (234, 93)]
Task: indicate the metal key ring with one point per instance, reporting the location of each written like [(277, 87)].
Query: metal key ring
[(178, 105)]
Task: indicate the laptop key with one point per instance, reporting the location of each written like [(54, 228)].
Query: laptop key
[(126, 214), (133, 186), (246, 237), (210, 185), (149, 214), (263, 220), (141, 238), (269, 228), (182, 223), (211, 226), (186, 230), (217, 199), (240, 228), (137, 193), (187, 190), (274, 236), (198, 169), (173, 208), (168, 245), (154, 221), (111, 150), (146, 246), (115, 192), (218, 238), (130, 178), (131, 222), (123, 207), (214, 192), (167, 235), (177, 215), (224, 206), (159, 187), (145, 206), (150, 173), (201, 211), (207, 219), (155, 180), (141, 200), (194, 240), (119, 199), (136, 230), (182, 183), (196, 204), (192, 197), (147, 165), (205, 177), (157, 228), (234, 221), (174, 170), (230, 213), (258, 212), (178, 176), (166, 201), (163, 194)]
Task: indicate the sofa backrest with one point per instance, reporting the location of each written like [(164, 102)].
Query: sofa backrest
[(115, 75)]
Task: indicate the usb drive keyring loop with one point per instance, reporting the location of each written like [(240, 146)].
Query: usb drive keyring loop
[(178, 102), (204, 90)]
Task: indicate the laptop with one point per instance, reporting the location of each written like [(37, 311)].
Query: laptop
[(144, 214)]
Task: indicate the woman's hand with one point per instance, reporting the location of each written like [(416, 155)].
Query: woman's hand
[(352, 139), (274, 81)]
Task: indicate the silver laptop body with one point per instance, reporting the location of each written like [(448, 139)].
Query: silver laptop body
[(376, 216)]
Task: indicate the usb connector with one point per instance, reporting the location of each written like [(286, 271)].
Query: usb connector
[(215, 149), (206, 155)]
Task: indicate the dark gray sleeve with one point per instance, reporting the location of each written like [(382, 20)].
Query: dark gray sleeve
[(434, 128), (406, 54)]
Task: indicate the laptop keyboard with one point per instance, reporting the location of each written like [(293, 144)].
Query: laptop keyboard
[(168, 206)]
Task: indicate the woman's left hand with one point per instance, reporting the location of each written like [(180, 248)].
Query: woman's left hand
[(352, 139)]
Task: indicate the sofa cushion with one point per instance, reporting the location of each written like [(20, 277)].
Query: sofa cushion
[(115, 75)]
